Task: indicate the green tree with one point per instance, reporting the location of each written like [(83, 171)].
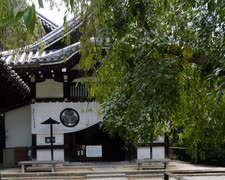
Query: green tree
[(163, 71), (11, 12)]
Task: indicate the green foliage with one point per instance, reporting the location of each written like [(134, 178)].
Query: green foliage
[(159, 73), (138, 110), (11, 25), (29, 17), (199, 112), (18, 8), (40, 3)]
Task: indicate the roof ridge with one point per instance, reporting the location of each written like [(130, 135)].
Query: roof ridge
[(50, 38), (57, 33), (46, 21), (46, 57)]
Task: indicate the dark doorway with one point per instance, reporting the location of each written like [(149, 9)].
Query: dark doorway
[(76, 145)]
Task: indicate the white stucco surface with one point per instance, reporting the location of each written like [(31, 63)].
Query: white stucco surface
[(49, 89), (18, 127), (157, 152), (88, 113), (45, 154), (143, 152), (59, 139)]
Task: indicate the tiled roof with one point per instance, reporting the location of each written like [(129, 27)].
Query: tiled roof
[(34, 55), (33, 58), (41, 57), (46, 22), (50, 38), (56, 35), (13, 77)]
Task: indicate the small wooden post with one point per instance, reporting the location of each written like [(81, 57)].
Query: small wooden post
[(166, 177)]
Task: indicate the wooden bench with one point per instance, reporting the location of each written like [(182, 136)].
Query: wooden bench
[(141, 162), (31, 163)]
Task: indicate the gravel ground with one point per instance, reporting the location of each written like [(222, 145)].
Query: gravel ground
[(124, 168)]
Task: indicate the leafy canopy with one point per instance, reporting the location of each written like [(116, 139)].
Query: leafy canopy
[(11, 14), (164, 69)]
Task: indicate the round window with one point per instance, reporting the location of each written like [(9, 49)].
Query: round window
[(69, 117)]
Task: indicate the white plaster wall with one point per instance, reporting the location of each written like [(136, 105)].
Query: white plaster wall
[(18, 127), (45, 154), (59, 139), (49, 89), (157, 152), (143, 152), (40, 112)]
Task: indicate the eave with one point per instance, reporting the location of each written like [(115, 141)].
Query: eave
[(45, 58), (11, 81)]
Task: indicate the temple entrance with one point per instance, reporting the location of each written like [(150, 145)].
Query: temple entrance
[(92, 144)]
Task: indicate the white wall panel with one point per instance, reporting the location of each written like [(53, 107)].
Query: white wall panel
[(40, 112), (143, 152), (158, 152), (49, 89), (45, 154), (59, 139), (18, 127)]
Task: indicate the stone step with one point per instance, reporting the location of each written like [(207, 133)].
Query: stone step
[(114, 175), (45, 178), (108, 178)]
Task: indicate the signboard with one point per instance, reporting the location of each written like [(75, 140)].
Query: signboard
[(94, 151), (48, 139)]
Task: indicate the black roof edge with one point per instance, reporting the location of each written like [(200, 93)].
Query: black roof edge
[(16, 106), (14, 77)]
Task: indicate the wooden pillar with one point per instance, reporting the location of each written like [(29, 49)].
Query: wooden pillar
[(51, 136), (167, 146)]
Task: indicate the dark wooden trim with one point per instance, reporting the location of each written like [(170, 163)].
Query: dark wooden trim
[(66, 90), (34, 142), (49, 100), (2, 136), (48, 147), (167, 145), (16, 106), (45, 100), (155, 144)]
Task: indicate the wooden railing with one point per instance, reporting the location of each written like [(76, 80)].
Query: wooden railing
[(76, 92)]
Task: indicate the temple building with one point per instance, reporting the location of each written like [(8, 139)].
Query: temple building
[(49, 86)]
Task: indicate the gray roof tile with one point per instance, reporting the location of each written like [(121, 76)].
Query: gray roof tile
[(13, 77)]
